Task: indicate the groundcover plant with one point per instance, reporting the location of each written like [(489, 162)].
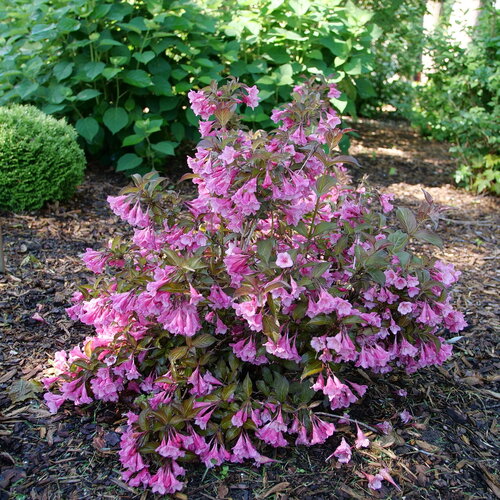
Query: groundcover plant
[(233, 320)]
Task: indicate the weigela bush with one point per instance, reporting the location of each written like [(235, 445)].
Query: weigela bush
[(231, 318)]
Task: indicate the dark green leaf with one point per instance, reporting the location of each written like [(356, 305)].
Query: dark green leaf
[(115, 119), (87, 128), (137, 78), (128, 162)]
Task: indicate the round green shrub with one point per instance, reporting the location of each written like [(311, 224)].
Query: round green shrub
[(40, 159)]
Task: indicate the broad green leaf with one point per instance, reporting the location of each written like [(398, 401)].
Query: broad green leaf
[(378, 276), (300, 7), (93, 69), (66, 25), (429, 237), (311, 368), (284, 75), (165, 147), (281, 387), (203, 340), (110, 73), (265, 249), (62, 70), (365, 88), (109, 42), (115, 119), (26, 88), (132, 140), (277, 54), (87, 94), (128, 161), (320, 269), (144, 57), (247, 386), (137, 78), (324, 184), (87, 128), (354, 66), (398, 239)]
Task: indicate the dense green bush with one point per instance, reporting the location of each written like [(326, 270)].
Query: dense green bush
[(397, 54), (460, 102), (40, 159), (120, 71)]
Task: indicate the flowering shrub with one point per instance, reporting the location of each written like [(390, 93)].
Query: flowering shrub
[(230, 318)]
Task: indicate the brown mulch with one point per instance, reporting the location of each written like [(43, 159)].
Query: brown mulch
[(449, 450)]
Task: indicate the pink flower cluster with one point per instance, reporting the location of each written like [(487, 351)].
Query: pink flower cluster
[(230, 316)]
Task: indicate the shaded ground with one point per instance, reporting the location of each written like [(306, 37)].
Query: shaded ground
[(449, 450)]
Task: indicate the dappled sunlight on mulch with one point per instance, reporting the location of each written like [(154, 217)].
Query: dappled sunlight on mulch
[(448, 450)]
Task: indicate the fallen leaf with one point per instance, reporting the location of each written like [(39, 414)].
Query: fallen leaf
[(427, 446), (21, 389), (222, 490), (275, 489)]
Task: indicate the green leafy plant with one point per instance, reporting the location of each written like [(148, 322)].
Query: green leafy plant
[(276, 42), (231, 320), (460, 101), (480, 175), (397, 55), (40, 159), (120, 71)]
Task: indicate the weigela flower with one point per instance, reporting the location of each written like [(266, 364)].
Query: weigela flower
[(229, 318)]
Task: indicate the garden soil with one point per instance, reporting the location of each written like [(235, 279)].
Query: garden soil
[(448, 450)]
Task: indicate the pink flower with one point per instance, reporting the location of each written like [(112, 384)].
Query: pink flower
[(374, 481), (95, 261), (249, 310), (361, 440), (321, 430), (76, 391), (165, 481), (283, 348), (120, 205), (216, 455), (405, 307), (202, 385), (228, 155), (342, 453), (428, 316), (284, 260), (252, 99), (183, 320), (385, 200), (171, 448), (244, 449), (219, 299), (200, 104), (53, 401), (246, 350), (333, 93), (405, 416), (104, 386)]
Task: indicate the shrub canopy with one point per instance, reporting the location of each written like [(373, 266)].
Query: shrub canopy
[(231, 318), (40, 159)]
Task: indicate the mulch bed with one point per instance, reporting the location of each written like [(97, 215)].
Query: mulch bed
[(449, 450)]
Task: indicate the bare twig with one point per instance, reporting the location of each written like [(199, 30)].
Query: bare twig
[(362, 424), (468, 222)]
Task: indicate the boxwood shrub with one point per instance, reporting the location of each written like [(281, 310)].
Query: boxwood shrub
[(40, 159)]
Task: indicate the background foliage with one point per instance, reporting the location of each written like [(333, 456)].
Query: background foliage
[(460, 102), (120, 71)]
